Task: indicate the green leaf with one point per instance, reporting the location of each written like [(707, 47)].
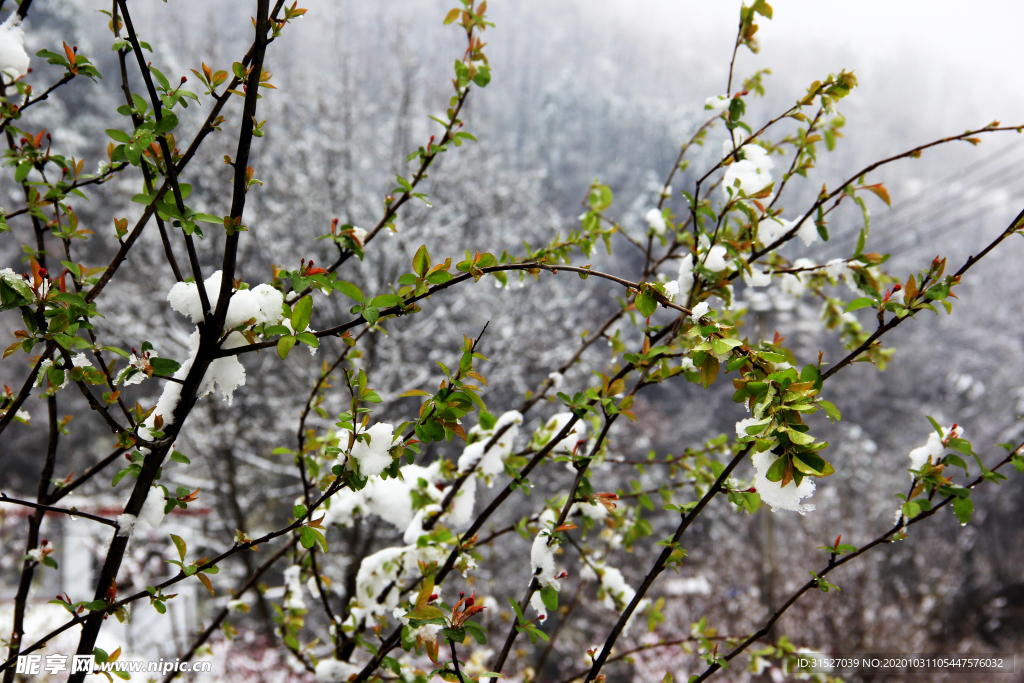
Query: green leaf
[(646, 304), (856, 304), (478, 634), (119, 135), (299, 511), (963, 507), (439, 277), (371, 314), (168, 121), (308, 339), (455, 635), (830, 410), (178, 457), (179, 543), (301, 313), (549, 596), (307, 537), (385, 300), (777, 469), (348, 289), (164, 366), (207, 218), (284, 345), (421, 261), (425, 613), (483, 76)]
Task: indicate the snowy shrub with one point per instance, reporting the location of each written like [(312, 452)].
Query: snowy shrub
[(424, 469)]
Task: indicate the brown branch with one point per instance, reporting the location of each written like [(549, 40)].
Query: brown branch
[(238, 593), (241, 163), (62, 491), (834, 563), (662, 560), (398, 309), (169, 165), (895, 321), (65, 511), (180, 576)]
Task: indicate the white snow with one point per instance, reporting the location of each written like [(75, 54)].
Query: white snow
[(771, 229), (757, 278), (537, 603), (542, 560), (700, 310), (359, 234), (14, 61), (389, 499), (557, 379), (152, 512), (125, 525), (375, 457), (837, 269), (933, 447), (592, 511), (334, 671), (685, 276), (791, 284), (461, 512), (491, 462), (379, 570), (750, 175), (672, 290), (717, 103), (555, 425), (262, 303), (656, 221), (741, 426), (779, 497), (715, 261), (293, 584), (808, 232)]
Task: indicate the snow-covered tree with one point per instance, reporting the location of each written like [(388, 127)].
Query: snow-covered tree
[(464, 351)]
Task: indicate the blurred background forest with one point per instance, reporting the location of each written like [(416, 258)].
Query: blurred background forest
[(585, 90)]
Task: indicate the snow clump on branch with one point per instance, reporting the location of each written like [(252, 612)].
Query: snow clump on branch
[(491, 462), (749, 175), (152, 512), (932, 450), (780, 497), (334, 671), (293, 585), (555, 425), (374, 457), (14, 61), (261, 303), (656, 221)]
